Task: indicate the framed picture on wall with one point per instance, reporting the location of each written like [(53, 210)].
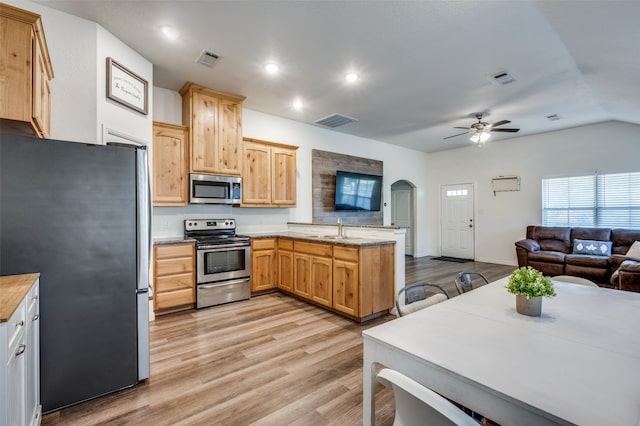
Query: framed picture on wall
[(127, 88)]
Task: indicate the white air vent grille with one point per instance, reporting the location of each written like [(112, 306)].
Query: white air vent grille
[(335, 120), (503, 78), (207, 58)]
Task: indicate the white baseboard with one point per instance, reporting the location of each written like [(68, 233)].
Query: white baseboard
[(497, 261)]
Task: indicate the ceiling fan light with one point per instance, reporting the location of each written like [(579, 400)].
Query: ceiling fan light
[(475, 137), (484, 136)]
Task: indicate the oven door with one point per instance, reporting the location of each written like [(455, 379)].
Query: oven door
[(221, 263)]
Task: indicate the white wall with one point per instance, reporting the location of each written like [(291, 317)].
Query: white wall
[(111, 114), (501, 220), (399, 164)]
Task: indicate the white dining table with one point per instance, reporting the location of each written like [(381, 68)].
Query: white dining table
[(578, 363)]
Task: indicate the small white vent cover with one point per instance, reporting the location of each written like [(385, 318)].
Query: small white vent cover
[(335, 120), (207, 58), (502, 78)]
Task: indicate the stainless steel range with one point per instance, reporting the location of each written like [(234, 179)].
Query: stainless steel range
[(223, 261)]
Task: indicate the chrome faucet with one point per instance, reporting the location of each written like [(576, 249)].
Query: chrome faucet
[(340, 228)]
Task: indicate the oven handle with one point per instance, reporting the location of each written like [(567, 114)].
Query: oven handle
[(241, 280), (223, 247)]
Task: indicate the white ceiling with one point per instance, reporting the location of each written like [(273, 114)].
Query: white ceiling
[(424, 65)]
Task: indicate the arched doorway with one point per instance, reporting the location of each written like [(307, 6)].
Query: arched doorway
[(403, 212)]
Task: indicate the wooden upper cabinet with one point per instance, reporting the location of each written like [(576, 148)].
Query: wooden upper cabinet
[(170, 165), (256, 182), (215, 120), (283, 176), (269, 174), (25, 72)]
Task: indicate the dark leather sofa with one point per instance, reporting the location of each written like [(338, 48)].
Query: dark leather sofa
[(550, 250)]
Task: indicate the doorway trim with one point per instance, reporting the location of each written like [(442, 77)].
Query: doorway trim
[(411, 235)]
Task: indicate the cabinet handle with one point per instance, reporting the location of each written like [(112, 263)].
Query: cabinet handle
[(21, 349), (35, 297), (20, 323), (36, 316)]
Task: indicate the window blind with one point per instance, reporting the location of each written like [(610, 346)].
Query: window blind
[(611, 201)]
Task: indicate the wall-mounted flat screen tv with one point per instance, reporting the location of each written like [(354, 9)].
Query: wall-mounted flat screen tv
[(358, 191)]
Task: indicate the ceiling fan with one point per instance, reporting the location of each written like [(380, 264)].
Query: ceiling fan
[(481, 130)]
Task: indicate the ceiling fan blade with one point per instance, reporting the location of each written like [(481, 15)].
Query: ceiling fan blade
[(461, 128), (500, 123), (505, 130), (453, 136)]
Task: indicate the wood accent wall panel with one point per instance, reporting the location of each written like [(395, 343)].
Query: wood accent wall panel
[(324, 165)]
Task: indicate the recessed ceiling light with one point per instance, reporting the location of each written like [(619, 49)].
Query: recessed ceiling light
[(271, 68), (170, 32), (351, 77), (297, 104)]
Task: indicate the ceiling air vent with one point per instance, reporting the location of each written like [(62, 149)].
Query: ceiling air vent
[(335, 120), (207, 58), (503, 78), (553, 117)]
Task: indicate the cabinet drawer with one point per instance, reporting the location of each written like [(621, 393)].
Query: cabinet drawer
[(313, 248), (174, 298), (175, 282), (166, 251), (285, 244), (32, 302), (263, 244), (16, 325), (174, 266), (346, 253)]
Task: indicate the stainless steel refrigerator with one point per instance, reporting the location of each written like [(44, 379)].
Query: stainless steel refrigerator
[(79, 215)]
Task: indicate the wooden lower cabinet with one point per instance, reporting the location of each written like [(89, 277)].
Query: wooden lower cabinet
[(285, 264), (263, 264), (313, 271), (174, 277), (346, 284)]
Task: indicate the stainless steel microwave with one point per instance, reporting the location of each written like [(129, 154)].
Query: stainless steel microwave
[(210, 189)]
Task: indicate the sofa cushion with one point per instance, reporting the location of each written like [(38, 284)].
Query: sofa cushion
[(592, 261), (598, 248), (553, 238), (598, 234), (623, 239), (547, 256), (634, 250)]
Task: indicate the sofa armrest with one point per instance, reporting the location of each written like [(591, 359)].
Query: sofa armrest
[(528, 245), (629, 276)]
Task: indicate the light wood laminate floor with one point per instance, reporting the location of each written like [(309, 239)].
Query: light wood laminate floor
[(270, 360)]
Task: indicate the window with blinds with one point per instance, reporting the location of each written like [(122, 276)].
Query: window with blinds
[(606, 201)]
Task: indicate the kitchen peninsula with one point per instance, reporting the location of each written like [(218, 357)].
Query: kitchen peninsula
[(348, 273)]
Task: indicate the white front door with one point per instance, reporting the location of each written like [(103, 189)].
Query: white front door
[(401, 209), (456, 221)]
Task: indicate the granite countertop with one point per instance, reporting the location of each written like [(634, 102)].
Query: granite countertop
[(350, 225), (173, 240), (330, 238), (13, 288)]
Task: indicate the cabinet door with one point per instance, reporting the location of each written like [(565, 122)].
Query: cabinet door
[(345, 287), (283, 176), (16, 382), (302, 274), (230, 137), (204, 133), (170, 152), (285, 270), (263, 270), (32, 358), (256, 185), (321, 280), (40, 92), (15, 73)]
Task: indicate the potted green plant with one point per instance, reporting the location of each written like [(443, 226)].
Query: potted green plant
[(530, 286)]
